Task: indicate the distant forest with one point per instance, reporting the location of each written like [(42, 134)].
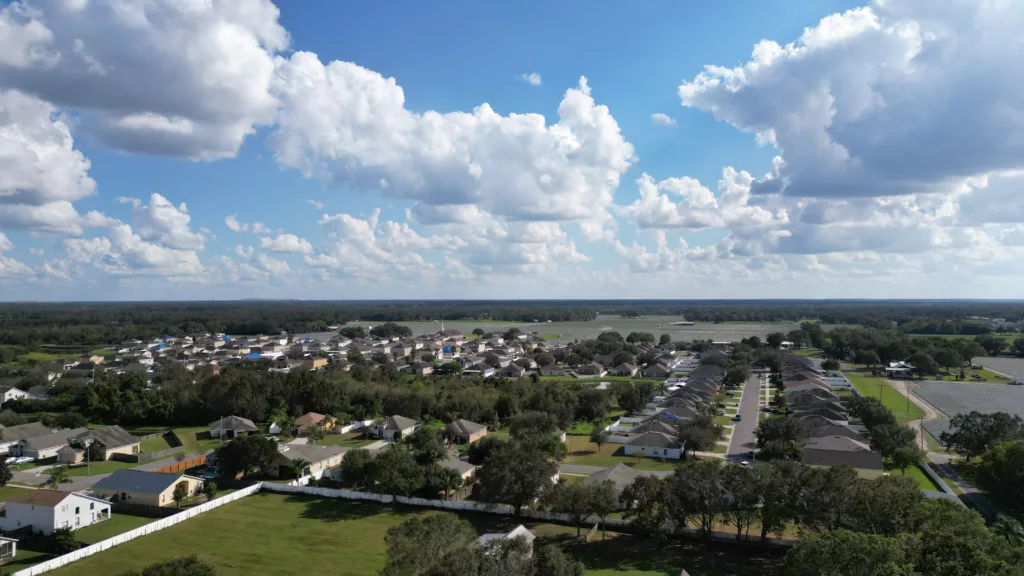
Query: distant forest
[(88, 324)]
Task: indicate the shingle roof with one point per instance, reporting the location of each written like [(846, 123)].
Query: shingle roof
[(399, 422), (466, 427), (838, 443), (460, 466), (862, 460), (232, 423), (22, 431), (838, 430), (138, 481), (109, 436), (310, 452), (620, 474), (654, 440), (47, 498), (53, 439), (309, 418), (653, 426)]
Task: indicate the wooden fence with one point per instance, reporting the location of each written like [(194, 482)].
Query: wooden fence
[(183, 465)]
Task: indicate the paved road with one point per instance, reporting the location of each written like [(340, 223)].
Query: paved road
[(36, 477), (743, 438), (973, 494)]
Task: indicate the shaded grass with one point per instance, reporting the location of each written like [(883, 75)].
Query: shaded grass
[(875, 387), (196, 438), (8, 491), (916, 474), (32, 552), (348, 440), (156, 444)]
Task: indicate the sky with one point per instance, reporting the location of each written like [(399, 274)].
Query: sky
[(230, 149)]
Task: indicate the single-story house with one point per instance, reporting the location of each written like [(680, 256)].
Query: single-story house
[(47, 510), (422, 368), (899, 370), (826, 452), (653, 426), (49, 445), (11, 437), (8, 548), (592, 369), (113, 439), (624, 369), (519, 532), (621, 475), (229, 427), (465, 469), (8, 393), (655, 445), (387, 429), (840, 430), (466, 432), (319, 459), (552, 371), (479, 369), (145, 488), (657, 371), (513, 370), (305, 422)]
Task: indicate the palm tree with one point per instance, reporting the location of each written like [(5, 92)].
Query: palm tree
[(450, 480), (1010, 529), (58, 475), (300, 466)]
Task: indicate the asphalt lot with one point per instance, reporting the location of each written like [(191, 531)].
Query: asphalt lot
[(743, 438), (954, 398)]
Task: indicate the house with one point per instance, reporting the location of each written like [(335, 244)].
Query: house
[(8, 548), (145, 488), (308, 420), (466, 432), (479, 369), (230, 426), (519, 532), (624, 369), (620, 475), (318, 459), (47, 510), (656, 425), (10, 438), (422, 368), (839, 430), (657, 371), (465, 469), (552, 371), (113, 439), (8, 393), (49, 445), (512, 371), (899, 370), (825, 452), (654, 445), (394, 424), (592, 369)]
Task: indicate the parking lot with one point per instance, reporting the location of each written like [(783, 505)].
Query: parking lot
[(953, 398)]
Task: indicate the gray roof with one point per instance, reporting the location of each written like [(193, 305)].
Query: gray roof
[(52, 439), (466, 427), (137, 481), (310, 452), (837, 443), (399, 423), (22, 431), (838, 430), (621, 475), (863, 460), (232, 423), (460, 466), (109, 436), (654, 440), (653, 426)]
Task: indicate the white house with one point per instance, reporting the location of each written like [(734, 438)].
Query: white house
[(390, 426), (519, 532), (8, 393), (46, 510), (899, 370), (654, 445)]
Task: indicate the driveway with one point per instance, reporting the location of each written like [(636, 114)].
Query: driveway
[(743, 439)]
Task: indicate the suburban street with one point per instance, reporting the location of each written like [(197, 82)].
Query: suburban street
[(743, 431)]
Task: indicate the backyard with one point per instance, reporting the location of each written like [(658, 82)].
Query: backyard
[(29, 554), (294, 535), (157, 443), (348, 440), (196, 439), (105, 467), (587, 453)]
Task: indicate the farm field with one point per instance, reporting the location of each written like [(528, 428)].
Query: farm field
[(286, 535)]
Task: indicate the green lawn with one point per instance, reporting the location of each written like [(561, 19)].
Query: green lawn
[(917, 475), (8, 491), (588, 454), (580, 429), (104, 352), (196, 439), (117, 524), (723, 420), (875, 387), (38, 357), (345, 538), (349, 440), (986, 376), (810, 352), (105, 467), (157, 443)]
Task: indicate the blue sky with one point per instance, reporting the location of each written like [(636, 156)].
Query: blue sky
[(817, 157)]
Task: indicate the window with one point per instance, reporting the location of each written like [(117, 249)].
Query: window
[(124, 496), (162, 496), (92, 505), (77, 510)]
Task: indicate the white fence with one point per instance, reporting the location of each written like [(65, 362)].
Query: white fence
[(154, 526), (354, 426)]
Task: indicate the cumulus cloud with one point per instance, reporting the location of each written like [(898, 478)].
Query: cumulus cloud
[(345, 123), (36, 251), (531, 78), (163, 222), (663, 119), (193, 84), (901, 97), (235, 225), (123, 252), (315, 204), (286, 243)]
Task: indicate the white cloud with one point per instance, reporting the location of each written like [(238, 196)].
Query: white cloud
[(345, 123), (36, 251), (275, 267), (235, 225), (165, 223), (902, 97), (315, 204), (122, 252), (5, 243), (243, 252), (286, 243), (531, 78), (193, 84), (663, 119)]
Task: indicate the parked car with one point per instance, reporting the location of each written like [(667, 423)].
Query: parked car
[(721, 412), (737, 417)]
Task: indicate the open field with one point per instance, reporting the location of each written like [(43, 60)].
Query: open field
[(876, 387), (588, 454), (953, 398), (290, 535)]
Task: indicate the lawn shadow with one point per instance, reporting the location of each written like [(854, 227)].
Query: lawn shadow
[(334, 509)]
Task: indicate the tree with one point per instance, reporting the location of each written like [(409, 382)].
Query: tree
[(507, 557), (664, 339), (969, 350), (433, 545), (516, 473), (1000, 471), (888, 505), (63, 541), (598, 435), (603, 502), (395, 471), (481, 449), (825, 496), (447, 480), (551, 561), (248, 454), (632, 396), (743, 497), (845, 553), (355, 467), (948, 358), (1010, 529), (700, 434), (830, 364), (992, 344), (906, 456), (574, 500), (532, 424), (478, 332), (57, 475), (868, 358), (184, 566), (972, 434), (779, 484), (698, 494), (97, 452), (316, 433), (426, 446), (775, 339), (923, 364), (955, 540), (644, 503), (211, 489), (886, 438), (179, 495), (871, 411), (592, 404), (779, 429), (5, 473), (70, 420)]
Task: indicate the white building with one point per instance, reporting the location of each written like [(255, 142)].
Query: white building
[(47, 510)]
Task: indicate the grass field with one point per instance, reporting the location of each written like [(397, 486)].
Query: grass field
[(117, 524), (8, 491), (810, 353), (196, 439), (588, 454), (917, 475), (156, 444), (292, 535), (349, 440), (875, 387)]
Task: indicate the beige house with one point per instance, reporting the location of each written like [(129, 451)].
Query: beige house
[(466, 432), (317, 459), (310, 419), (145, 488), (113, 439)]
